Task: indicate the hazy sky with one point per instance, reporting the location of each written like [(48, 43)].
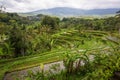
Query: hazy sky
[(32, 5)]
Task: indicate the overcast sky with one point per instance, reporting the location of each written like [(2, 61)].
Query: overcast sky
[(32, 5)]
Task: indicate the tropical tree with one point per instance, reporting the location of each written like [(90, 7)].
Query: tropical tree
[(53, 22), (18, 40)]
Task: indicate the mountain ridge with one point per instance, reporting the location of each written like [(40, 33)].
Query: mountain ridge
[(66, 11)]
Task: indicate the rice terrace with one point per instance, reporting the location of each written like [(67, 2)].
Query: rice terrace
[(59, 40)]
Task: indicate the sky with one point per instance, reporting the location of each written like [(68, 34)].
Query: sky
[(33, 5)]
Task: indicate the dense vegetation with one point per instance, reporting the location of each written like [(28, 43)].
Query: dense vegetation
[(42, 36)]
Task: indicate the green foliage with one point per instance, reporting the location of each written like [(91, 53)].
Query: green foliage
[(104, 24), (18, 40), (53, 22), (105, 66), (102, 67), (46, 38), (25, 39)]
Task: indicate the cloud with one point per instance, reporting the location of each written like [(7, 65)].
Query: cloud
[(32, 5)]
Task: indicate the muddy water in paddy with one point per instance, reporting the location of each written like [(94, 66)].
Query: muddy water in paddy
[(22, 73)]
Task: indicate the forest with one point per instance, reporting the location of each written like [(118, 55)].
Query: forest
[(88, 47)]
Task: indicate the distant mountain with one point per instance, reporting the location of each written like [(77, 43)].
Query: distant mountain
[(65, 11)]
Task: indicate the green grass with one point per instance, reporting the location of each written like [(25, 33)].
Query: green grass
[(30, 61), (64, 36), (27, 62)]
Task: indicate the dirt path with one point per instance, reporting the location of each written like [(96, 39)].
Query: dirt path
[(21, 74)]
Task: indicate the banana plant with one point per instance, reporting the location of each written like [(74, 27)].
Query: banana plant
[(73, 61)]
